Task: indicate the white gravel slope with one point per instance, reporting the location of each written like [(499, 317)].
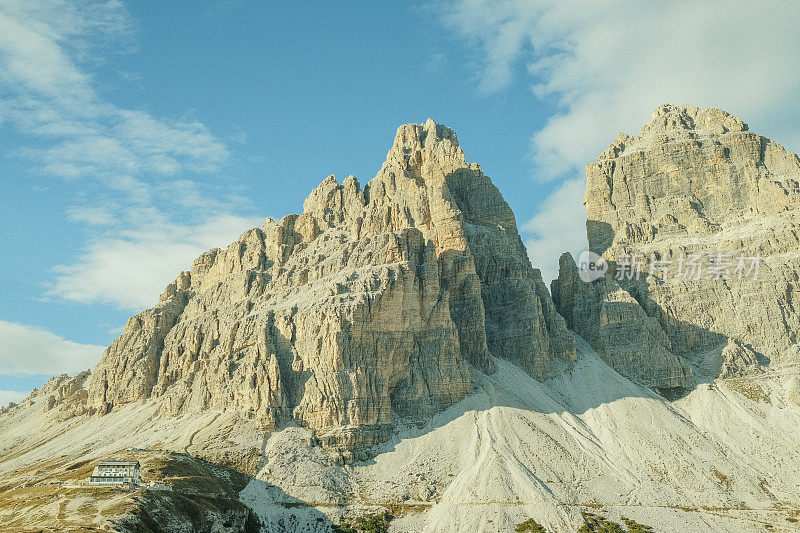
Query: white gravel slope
[(517, 448), (724, 458)]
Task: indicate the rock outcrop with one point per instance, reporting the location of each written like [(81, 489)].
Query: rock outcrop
[(378, 306), (710, 214), (619, 329), (372, 304)]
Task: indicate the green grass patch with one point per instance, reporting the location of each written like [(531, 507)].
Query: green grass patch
[(371, 523), (530, 526), (599, 523)]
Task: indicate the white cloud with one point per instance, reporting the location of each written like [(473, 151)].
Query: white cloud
[(607, 65), (130, 270), (44, 45), (92, 215), (186, 193), (8, 396), (31, 54), (126, 168), (500, 29), (33, 350), (559, 226)]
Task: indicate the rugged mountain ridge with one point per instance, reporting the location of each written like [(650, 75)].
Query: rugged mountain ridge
[(409, 305), (371, 305), (694, 190)]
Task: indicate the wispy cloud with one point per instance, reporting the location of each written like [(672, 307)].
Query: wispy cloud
[(8, 396), (558, 227), (135, 176), (44, 45), (93, 215), (607, 65), (33, 350), (129, 270)]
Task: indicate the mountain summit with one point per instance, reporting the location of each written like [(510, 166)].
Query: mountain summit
[(390, 354), (372, 305), (710, 214)]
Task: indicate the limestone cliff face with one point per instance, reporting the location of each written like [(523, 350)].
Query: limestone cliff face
[(372, 304), (695, 182), (615, 324)]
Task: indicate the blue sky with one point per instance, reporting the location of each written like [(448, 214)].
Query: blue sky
[(135, 135)]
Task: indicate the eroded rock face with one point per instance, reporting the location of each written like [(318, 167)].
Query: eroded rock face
[(696, 182), (619, 329), (372, 304), (738, 361)]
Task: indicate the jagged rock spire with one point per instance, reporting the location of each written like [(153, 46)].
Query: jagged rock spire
[(374, 303)]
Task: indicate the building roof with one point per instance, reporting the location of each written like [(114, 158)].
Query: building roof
[(119, 463)]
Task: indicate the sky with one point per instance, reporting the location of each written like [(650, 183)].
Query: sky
[(136, 135)]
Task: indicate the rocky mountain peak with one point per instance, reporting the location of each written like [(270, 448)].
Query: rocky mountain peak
[(428, 150), (372, 305), (695, 185), (429, 136), (407, 308), (672, 123), (690, 170), (668, 118)]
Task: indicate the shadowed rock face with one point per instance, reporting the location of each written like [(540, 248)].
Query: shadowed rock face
[(612, 321), (695, 181), (373, 303)]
